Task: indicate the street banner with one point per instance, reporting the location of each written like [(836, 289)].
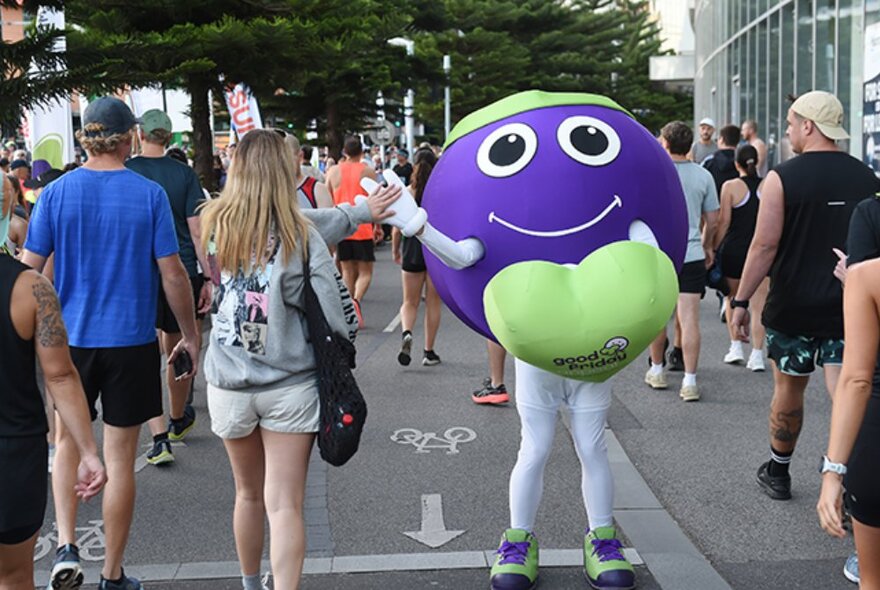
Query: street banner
[(145, 99), (244, 112), (50, 127)]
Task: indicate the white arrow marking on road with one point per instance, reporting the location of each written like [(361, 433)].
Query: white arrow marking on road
[(433, 533)]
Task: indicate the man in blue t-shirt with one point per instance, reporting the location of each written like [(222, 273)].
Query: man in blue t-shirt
[(113, 238), (184, 195)]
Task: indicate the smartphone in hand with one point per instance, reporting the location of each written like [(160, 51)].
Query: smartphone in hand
[(182, 364)]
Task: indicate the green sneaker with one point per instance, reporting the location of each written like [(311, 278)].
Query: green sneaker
[(605, 566), (516, 564)]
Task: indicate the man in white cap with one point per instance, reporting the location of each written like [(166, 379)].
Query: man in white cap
[(705, 146), (806, 204)]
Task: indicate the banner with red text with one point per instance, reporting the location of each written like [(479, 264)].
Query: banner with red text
[(244, 112)]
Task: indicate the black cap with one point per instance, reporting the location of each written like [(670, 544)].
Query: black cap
[(111, 114), (16, 164), (43, 179)]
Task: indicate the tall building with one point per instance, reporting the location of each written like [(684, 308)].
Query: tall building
[(752, 54), (675, 70)]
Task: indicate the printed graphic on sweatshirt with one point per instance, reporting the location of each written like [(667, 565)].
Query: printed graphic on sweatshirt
[(241, 306)]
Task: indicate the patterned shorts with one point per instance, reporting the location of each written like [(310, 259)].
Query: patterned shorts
[(799, 355)]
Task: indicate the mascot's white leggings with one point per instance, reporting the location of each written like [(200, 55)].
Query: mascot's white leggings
[(539, 395)]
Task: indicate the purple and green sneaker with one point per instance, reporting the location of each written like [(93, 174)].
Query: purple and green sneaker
[(605, 565), (516, 561)]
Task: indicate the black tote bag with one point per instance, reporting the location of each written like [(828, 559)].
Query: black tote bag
[(343, 408)]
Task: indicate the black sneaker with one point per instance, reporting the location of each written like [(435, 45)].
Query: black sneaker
[(178, 429), (124, 583), (777, 487), (403, 357), (674, 360), (490, 394), (430, 359), (161, 453), (67, 573)]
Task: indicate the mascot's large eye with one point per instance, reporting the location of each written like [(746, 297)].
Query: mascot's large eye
[(588, 140), (507, 150)]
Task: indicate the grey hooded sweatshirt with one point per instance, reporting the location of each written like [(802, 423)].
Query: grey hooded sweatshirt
[(259, 335)]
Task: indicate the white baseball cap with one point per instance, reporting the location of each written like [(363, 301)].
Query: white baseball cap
[(707, 121), (824, 110)]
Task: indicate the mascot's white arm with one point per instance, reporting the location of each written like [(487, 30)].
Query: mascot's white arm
[(412, 220)]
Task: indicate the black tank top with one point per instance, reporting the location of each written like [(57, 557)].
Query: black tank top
[(744, 216), (21, 406), (821, 191)]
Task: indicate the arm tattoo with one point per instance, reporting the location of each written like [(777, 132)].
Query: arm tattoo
[(786, 426), (50, 330)]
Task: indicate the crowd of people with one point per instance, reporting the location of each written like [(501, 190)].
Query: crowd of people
[(784, 241)]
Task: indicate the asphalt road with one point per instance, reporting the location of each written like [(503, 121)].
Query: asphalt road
[(698, 459)]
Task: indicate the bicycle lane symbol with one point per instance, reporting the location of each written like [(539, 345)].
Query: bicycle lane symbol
[(90, 540), (425, 442)]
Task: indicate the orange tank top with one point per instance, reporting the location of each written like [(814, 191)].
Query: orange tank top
[(350, 187)]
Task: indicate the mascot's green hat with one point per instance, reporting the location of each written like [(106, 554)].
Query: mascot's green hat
[(526, 101)]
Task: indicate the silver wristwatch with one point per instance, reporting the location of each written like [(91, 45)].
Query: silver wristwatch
[(827, 465)]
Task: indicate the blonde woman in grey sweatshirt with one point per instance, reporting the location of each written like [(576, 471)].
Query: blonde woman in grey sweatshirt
[(260, 367)]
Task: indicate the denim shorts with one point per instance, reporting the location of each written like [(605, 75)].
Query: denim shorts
[(291, 409)]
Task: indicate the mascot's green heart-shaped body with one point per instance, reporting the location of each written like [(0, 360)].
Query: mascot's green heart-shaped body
[(585, 322)]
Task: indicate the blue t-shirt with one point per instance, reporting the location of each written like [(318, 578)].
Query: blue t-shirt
[(107, 229)]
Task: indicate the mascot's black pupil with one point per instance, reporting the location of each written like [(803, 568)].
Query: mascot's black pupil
[(589, 140), (507, 150)]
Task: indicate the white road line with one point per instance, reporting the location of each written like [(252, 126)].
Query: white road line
[(347, 564), (393, 325)]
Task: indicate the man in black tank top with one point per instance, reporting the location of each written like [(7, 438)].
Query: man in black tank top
[(31, 328), (805, 209)]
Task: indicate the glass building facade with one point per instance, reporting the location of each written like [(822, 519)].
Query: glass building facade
[(752, 54)]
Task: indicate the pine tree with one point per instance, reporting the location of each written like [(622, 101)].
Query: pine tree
[(337, 87)]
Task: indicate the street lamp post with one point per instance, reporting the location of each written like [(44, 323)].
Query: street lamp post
[(447, 98), (410, 97), (380, 116)]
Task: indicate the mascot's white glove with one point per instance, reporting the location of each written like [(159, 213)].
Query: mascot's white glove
[(408, 216)]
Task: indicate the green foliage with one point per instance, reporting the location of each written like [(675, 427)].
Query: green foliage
[(323, 61), (336, 85), (502, 46)]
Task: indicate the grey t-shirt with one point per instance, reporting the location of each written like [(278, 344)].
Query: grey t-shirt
[(701, 197), (701, 151)]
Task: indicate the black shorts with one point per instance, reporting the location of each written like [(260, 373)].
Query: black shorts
[(127, 380), (862, 480), (413, 259), (733, 260), (692, 278), (360, 250), (23, 462), (165, 319)]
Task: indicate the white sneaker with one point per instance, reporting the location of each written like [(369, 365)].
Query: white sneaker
[(656, 381), (734, 356), (689, 393), (756, 363)]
